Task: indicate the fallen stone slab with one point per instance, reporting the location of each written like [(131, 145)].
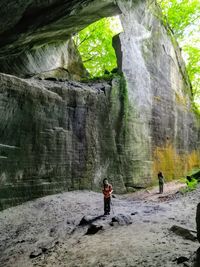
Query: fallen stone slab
[(183, 232)]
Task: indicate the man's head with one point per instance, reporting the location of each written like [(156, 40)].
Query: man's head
[(105, 181)]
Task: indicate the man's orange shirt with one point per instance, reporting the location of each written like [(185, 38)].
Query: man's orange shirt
[(107, 190)]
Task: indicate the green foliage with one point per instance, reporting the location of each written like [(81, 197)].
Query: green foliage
[(183, 17), (193, 67), (180, 14), (95, 46), (192, 185)]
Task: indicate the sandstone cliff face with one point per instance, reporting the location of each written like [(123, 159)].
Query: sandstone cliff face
[(56, 137), (59, 136), (59, 61), (165, 130), (33, 34)]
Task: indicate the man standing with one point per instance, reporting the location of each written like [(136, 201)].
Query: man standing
[(161, 182), (107, 191)]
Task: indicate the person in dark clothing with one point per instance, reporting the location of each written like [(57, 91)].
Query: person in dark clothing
[(107, 192), (161, 182)]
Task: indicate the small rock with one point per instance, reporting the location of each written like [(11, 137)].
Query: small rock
[(146, 221), (52, 231), (37, 252), (134, 213), (113, 223), (85, 220), (131, 189), (186, 264), (181, 259), (20, 241), (122, 219), (93, 229)]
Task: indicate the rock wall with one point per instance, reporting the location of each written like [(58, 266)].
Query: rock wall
[(164, 130), (59, 136), (33, 34), (56, 60)]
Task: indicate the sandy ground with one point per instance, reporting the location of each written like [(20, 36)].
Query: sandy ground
[(48, 230)]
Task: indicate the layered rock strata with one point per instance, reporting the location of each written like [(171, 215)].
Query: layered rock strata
[(59, 136)]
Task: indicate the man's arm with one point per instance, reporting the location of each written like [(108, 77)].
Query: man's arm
[(111, 190)]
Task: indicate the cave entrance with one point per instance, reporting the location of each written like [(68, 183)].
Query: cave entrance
[(95, 45)]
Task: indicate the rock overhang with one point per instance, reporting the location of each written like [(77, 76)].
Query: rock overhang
[(29, 24)]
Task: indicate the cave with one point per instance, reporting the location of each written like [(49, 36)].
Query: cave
[(62, 132), (82, 141)]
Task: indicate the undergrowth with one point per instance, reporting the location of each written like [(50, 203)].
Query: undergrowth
[(191, 186)]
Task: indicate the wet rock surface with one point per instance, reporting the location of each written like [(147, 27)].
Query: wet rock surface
[(51, 135)]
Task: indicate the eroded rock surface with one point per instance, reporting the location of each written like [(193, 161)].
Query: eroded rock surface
[(33, 34), (59, 136)]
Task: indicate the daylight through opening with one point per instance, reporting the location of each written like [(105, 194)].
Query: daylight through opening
[(94, 44)]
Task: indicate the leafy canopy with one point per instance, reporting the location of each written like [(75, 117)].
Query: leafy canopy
[(95, 45), (183, 17)]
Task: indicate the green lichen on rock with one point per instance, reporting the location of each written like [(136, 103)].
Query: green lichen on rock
[(122, 116)]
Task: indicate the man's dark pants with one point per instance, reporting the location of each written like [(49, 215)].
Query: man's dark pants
[(107, 202), (161, 185)]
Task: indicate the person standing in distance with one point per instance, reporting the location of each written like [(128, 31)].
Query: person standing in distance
[(161, 182), (107, 192)]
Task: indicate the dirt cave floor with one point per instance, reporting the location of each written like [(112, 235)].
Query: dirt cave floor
[(46, 231)]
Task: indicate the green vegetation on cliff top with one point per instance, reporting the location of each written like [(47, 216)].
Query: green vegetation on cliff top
[(183, 17)]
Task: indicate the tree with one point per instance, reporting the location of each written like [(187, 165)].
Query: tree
[(183, 17), (95, 46)]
